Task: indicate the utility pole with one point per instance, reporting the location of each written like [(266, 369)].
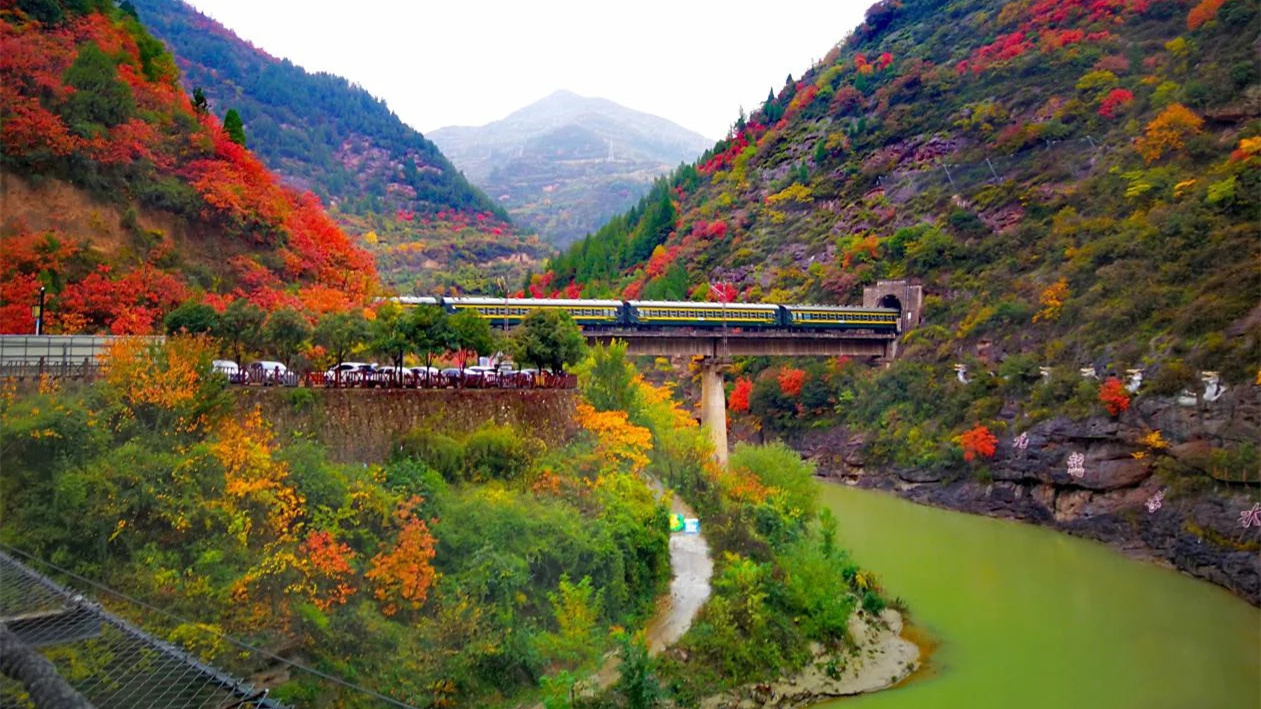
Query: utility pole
[(722, 298), (503, 285)]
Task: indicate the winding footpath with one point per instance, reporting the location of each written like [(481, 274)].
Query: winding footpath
[(689, 589)]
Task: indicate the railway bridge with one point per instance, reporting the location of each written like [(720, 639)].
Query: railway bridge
[(717, 347)]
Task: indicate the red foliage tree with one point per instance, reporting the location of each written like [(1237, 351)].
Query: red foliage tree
[(1113, 396), (328, 569), (1203, 12), (1115, 99), (18, 293), (978, 442), (739, 401), (404, 574), (791, 381), (721, 293)]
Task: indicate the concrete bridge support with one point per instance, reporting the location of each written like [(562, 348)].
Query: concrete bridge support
[(714, 405)]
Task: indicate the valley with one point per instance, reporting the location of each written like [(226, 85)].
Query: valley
[(936, 379)]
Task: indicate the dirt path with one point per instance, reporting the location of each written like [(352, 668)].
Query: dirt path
[(689, 589)]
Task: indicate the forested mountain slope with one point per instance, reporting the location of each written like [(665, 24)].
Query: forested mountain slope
[(122, 198), (376, 174), (1073, 180), (566, 163)]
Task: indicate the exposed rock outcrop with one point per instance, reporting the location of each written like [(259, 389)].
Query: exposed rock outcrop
[(1196, 527)]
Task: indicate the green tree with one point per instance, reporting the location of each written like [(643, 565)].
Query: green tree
[(429, 331), (241, 327), (472, 333), (339, 333), (234, 127), (637, 681), (610, 381), (388, 334), (284, 332), (200, 105), (100, 97), (191, 318), (550, 339), (48, 12)]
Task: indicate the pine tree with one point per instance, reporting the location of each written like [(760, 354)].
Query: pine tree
[(234, 127), (200, 104), (100, 97)]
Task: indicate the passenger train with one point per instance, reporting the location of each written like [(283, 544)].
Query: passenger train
[(594, 314)]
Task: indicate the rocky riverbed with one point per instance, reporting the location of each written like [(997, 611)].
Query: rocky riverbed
[(1102, 479)]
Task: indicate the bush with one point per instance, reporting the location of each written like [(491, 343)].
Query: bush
[(413, 476), (440, 452), (1170, 379), (499, 453), (777, 465), (873, 603)]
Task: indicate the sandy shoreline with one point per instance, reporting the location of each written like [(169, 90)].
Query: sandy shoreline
[(883, 659)]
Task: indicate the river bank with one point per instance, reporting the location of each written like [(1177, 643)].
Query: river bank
[(879, 659), (1154, 503)]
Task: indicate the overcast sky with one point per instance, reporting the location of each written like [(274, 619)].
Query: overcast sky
[(465, 62)]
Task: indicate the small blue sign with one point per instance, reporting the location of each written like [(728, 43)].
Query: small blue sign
[(691, 525)]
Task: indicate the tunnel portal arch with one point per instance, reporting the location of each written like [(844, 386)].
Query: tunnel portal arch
[(907, 298)]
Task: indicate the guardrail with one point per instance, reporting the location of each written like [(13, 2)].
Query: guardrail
[(50, 349), (57, 369), (517, 380)]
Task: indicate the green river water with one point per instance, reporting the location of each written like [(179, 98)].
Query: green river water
[(1027, 617)]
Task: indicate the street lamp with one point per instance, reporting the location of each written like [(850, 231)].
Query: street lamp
[(37, 312)]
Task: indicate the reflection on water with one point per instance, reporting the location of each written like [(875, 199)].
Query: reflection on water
[(1027, 617)]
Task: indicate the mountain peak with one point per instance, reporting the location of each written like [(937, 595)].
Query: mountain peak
[(566, 162)]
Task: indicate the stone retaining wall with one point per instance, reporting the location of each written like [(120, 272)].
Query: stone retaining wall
[(360, 425)]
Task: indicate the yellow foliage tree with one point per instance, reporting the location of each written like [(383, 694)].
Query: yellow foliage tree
[(1168, 132), (258, 497), (618, 441), (160, 378), (798, 193), (405, 573), (1052, 301)]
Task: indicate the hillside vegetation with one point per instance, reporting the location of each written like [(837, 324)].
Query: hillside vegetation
[(473, 568), (123, 198), (1075, 180), (1075, 184), (376, 174)]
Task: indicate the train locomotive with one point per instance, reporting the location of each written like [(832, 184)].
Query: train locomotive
[(645, 314)]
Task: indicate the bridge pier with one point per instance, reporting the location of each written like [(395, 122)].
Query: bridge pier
[(714, 405)]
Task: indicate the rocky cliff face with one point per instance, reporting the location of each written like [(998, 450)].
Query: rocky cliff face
[(1161, 502)]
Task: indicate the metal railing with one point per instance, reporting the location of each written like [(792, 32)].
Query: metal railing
[(55, 349), (129, 669)]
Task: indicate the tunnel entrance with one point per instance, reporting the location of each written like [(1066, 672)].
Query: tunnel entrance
[(902, 296)]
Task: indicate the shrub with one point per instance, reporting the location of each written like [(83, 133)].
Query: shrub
[(978, 442), (1171, 378), (873, 603), (498, 452), (777, 466), (440, 452), (1113, 396)]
